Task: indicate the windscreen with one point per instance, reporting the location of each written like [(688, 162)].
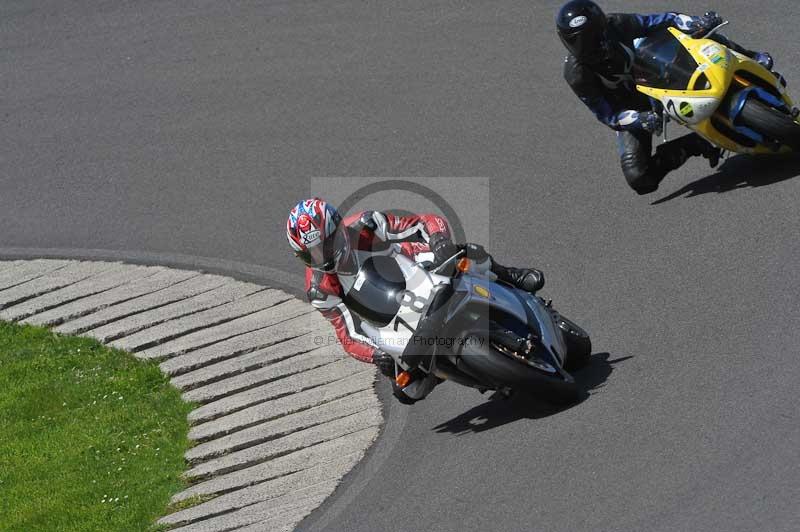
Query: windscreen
[(663, 63)]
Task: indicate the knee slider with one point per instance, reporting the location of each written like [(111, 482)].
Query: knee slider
[(633, 166), (635, 170)]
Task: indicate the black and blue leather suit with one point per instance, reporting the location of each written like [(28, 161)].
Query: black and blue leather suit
[(608, 89)]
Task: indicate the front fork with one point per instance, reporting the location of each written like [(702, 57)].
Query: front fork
[(659, 109)]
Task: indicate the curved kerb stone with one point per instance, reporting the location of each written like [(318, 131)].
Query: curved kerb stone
[(281, 416)]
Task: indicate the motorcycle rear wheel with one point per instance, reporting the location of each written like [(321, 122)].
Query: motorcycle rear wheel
[(771, 123)]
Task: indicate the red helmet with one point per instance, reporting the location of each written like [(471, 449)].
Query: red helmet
[(312, 232)]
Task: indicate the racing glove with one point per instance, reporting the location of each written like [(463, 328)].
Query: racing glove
[(366, 220), (442, 247), (476, 252), (648, 121), (384, 361), (702, 25)]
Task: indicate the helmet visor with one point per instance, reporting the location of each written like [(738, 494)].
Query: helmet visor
[(326, 255), (344, 260), (314, 257), (589, 44)]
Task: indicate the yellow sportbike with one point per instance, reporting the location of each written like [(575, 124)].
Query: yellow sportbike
[(729, 99)]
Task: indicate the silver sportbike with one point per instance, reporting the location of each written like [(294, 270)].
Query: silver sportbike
[(463, 326)]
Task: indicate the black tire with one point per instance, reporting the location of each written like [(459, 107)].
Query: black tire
[(771, 123), (503, 371), (579, 345)]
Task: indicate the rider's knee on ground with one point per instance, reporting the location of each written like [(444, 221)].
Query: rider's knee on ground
[(643, 186), (636, 172)]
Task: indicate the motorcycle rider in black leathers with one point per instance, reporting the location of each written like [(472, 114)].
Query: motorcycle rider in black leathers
[(599, 71)]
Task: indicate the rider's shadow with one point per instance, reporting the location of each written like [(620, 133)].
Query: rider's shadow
[(497, 412), (741, 171)]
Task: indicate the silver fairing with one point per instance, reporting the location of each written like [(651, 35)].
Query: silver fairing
[(508, 299), (394, 338), (501, 297), (551, 335)]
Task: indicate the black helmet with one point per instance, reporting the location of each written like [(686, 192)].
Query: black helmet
[(581, 25)]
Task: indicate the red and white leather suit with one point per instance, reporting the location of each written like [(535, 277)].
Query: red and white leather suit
[(324, 291)]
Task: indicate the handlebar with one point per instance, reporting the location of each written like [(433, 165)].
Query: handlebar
[(448, 261), (712, 31)]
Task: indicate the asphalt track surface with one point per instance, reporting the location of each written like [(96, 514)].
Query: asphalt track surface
[(191, 127)]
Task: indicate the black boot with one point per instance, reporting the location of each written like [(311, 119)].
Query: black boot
[(527, 279), (674, 153), (701, 146)]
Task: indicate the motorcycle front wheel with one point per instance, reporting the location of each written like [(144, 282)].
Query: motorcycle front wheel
[(501, 370), (771, 123), (579, 345)]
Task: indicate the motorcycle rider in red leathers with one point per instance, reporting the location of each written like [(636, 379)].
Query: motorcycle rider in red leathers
[(311, 231)]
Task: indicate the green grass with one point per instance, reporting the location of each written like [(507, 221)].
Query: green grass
[(90, 437)]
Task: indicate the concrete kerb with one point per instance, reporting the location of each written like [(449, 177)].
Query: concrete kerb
[(246, 444)]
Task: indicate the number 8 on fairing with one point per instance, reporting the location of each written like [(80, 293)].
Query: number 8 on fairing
[(409, 299)]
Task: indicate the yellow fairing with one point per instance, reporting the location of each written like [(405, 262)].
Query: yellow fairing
[(718, 74), (719, 64)]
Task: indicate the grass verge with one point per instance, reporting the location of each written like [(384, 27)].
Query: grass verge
[(90, 437)]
